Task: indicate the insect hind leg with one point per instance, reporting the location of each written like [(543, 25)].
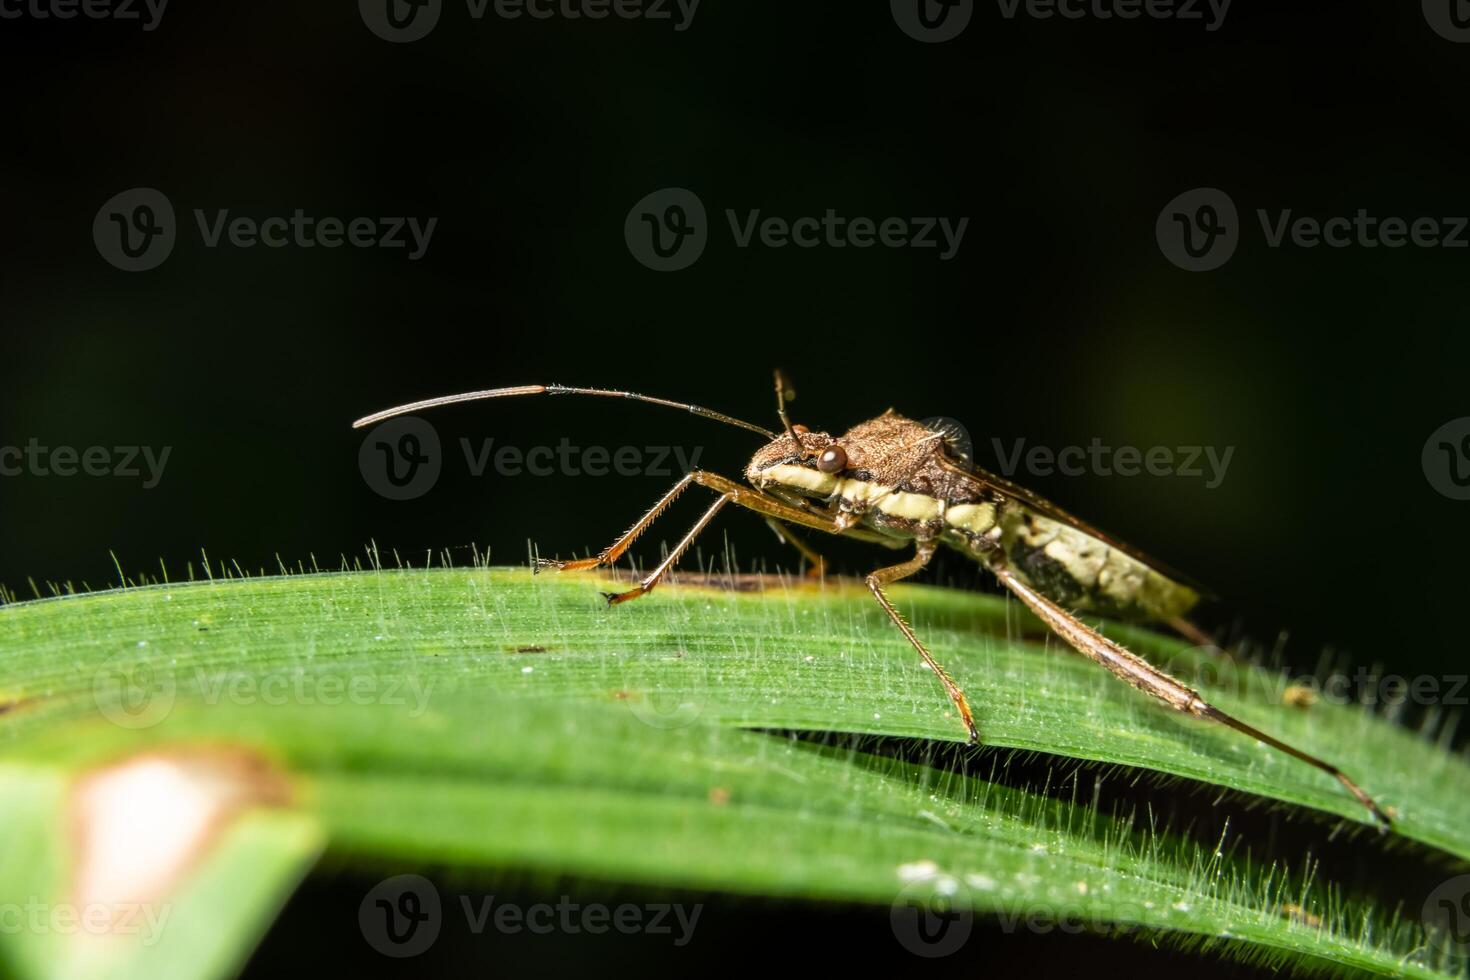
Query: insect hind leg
[(1143, 675)]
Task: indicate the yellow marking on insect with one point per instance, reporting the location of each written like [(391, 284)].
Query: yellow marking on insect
[(975, 518), (911, 506), (799, 476), (1101, 569), (862, 492)]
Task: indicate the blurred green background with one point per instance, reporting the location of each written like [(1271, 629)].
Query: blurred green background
[(1059, 320)]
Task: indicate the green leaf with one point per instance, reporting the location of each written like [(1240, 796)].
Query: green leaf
[(486, 719)]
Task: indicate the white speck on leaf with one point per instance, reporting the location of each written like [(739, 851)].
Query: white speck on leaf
[(917, 870)]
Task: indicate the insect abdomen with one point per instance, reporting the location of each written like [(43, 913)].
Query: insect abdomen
[(1075, 569)]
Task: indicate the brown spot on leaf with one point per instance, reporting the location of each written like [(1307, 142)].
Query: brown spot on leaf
[(1299, 696), (528, 648), (10, 705), (1295, 912), (141, 824), (719, 795)]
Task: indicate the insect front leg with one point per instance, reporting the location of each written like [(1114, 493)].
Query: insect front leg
[(730, 493), (1149, 679), (924, 550), (614, 551)]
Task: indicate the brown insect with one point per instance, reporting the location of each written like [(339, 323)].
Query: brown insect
[(894, 481)]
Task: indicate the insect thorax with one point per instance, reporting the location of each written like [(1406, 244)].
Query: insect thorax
[(899, 483)]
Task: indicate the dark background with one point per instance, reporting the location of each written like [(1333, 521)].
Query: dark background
[(1058, 321)]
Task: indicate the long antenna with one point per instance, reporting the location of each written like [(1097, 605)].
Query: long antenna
[(474, 396)]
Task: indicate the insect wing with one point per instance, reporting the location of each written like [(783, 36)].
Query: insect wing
[(1046, 508)]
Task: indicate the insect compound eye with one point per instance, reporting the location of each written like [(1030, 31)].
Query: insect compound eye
[(832, 459)]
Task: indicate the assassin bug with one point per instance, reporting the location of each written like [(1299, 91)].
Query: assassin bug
[(892, 480)]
